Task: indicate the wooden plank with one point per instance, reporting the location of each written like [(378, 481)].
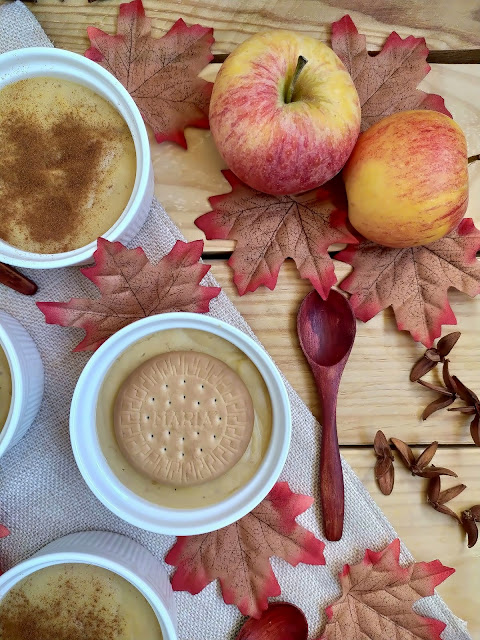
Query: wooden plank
[(375, 392), (428, 534), (184, 180), (449, 26)]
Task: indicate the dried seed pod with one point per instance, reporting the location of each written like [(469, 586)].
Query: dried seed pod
[(472, 408), (406, 454), (433, 356), (419, 467), (450, 494), (426, 457), (437, 498), (475, 511), (384, 471), (387, 481), (433, 471), (469, 524), (471, 530), (446, 344), (448, 393)]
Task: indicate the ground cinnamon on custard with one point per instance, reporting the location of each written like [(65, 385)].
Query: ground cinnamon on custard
[(20, 619), (47, 174), (67, 165)]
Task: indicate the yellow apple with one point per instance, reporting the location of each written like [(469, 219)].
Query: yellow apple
[(284, 125), (407, 179)]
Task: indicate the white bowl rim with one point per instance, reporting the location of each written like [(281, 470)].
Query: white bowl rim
[(42, 560), (124, 502), (84, 254), (17, 402)]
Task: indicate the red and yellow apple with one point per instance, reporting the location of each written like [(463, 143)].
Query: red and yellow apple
[(407, 179), (281, 127)]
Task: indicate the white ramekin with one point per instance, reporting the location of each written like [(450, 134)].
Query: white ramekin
[(58, 63), (26, 370), (127, 504), (113, 552)]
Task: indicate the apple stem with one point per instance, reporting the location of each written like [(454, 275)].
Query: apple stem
[(301, 62)]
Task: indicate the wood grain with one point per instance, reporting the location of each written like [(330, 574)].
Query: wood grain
[(428, 534), (184, 180), (450, 25), (375, 392)]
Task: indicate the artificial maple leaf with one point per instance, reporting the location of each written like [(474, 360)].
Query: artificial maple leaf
[(268, 229), (386, 83), (238, 555), (415, 280), (133, 288), (161, 74), (378, 595)]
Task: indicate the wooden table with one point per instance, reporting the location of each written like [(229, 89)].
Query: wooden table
[(375, 391)]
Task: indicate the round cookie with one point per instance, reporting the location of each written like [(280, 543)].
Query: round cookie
[(183, 418)]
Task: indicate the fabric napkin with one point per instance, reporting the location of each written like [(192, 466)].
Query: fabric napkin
[(43, 495)]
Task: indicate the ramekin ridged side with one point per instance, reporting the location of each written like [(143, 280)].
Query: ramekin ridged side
[(27, 374)]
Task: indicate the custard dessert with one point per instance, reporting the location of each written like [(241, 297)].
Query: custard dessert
[(187, 431), (67, 167), (76, 601), (5, 388)]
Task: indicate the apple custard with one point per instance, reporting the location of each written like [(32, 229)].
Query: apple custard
[(67, 167), (191, 424), (73, 601), (5, 388)]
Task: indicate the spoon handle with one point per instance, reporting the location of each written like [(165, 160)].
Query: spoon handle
[(10, 277), (331, 474)]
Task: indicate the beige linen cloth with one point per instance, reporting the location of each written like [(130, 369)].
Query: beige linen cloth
[(43, 496)]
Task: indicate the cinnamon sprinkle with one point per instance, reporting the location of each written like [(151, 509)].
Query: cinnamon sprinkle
[(62, 148), (47, 174), (57, 613)]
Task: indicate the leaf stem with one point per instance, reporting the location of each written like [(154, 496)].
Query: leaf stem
[(301, 62), (473, 158)]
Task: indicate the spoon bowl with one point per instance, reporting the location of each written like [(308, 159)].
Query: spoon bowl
[(326, 330), (281, 621)]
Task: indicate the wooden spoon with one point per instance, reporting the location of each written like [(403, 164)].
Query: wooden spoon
[(326, 329), (281, 621), (10, 277)]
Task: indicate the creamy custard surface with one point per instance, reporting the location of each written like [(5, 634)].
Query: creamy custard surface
[(76, 601), (5, 388), (67, 167), (214, 490)]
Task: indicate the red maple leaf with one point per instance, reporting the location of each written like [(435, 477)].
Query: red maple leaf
[(133, 288), (239, 555), (268, 229), (386, 83), (415, 280), (378, 595), (161, 74), (4, 532)]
